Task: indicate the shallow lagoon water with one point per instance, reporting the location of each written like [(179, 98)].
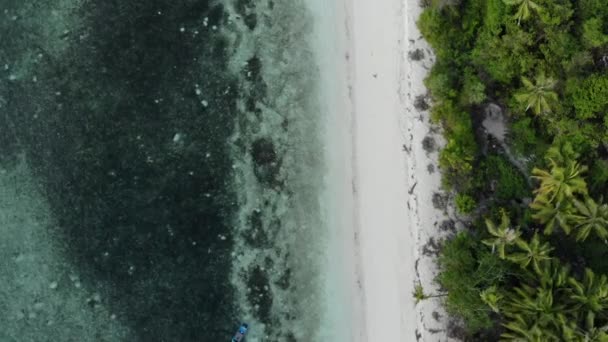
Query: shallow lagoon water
[(161, 171)]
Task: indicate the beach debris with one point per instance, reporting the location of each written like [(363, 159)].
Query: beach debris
[(440, 201), (420, 103), (416, 55), (411, 190), (428, 144)]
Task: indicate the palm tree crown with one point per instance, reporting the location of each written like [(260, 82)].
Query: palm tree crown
[(531, 253), (590, 217), (562, 182), (524, 9), (552, 214), (539, 95), (503, 235), (591, 294)]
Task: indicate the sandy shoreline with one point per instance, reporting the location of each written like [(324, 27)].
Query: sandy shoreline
[(394, 218), (379, 188)]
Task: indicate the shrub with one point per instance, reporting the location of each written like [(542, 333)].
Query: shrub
[(441, 83), (591, 8), (505, 57), (510, 183), (593, 34), (523, 136), (473, 90), (465, 203), (598, 175), (466, 269), (590, 96)]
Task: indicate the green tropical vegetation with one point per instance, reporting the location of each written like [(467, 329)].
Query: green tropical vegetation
[(530, 266)]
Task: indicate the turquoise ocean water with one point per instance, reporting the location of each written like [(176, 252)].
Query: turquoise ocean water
[(161, 164)]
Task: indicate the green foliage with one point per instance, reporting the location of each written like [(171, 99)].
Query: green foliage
[(492, 297), (590, 217), (510, 183), (560, 51), (598, 175), (457, 156), (467, 270), (533, 253), (465, 203), (562, 182), (473, 90), (555, 14), (502, 236), (541, 57), (442, 27), (523, 137), (494, 16), (552, 214), (525, 8), (505, 57), (557, 205), (593, 33), (590, 295), (419, 294), (537, 96), (584, 136), (589, 96), (591, 8), (441, 83)]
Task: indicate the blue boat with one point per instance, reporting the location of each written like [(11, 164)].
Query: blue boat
[(240, 334)]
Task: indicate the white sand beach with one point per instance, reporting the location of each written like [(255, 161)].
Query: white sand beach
[(391, 189)]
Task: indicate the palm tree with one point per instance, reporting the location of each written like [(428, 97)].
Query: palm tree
[(532, 253), (553, 274), (572, 332), (503, 235), (590, 216), (593, 334), (520, 330), (562, 182), (561, 154), (537, 96), (524, 9), (491, 297), (552, 214), (590, 295), (420, 295), (535, 303)]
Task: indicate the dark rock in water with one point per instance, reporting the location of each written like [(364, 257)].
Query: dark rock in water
[(251, 20), (261, 234), (266, 161), (291, 338), (246, 8), (255, 235), (260, 296), (285, 281), (253, 69), (216, 14), (263, 152)]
